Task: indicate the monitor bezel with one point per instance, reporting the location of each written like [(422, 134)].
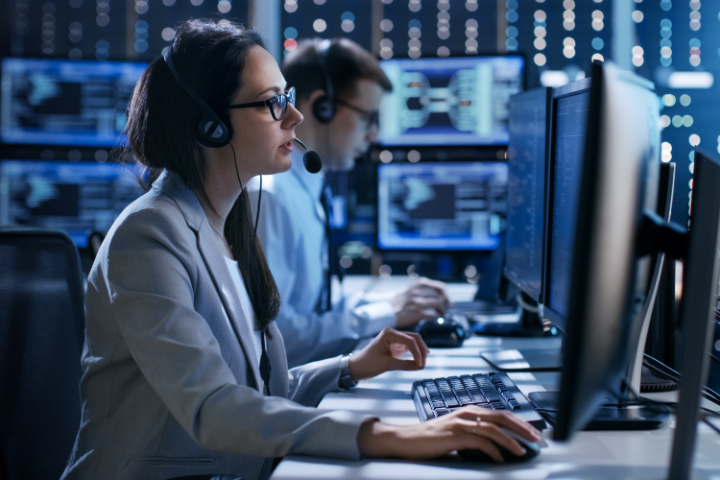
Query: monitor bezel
[(524, 85), (421, 250), (578, 87), (508, 272)]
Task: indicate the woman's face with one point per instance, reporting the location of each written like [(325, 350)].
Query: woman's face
[(262, 144)]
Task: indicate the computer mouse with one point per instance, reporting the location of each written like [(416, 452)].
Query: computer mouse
[(441, 332), (532, 450)]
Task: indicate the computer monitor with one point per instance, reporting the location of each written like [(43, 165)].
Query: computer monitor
[(527, 166), (700, 282), (598, 208), (449, 101), (65, 102), (80, 198), (570, 106), (441, 205)]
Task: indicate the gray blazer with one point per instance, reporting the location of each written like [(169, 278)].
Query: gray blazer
[(171, 384)]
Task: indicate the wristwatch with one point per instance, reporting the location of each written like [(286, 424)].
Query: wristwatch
[(346, 381)]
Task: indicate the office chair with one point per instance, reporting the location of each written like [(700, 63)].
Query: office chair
[(41, 341)]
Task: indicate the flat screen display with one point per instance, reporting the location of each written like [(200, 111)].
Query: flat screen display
[(64, 102), (526, 190), (441, 206), (78, 197), (449, 101), (571, 120)]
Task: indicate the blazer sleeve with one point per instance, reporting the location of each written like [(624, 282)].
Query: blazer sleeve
[(150, 275)]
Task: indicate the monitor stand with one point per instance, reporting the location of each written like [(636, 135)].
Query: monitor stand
[(524, 322), (611, 416)]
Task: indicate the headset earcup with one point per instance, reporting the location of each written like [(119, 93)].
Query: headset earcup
[(212, 132), (323, 109)]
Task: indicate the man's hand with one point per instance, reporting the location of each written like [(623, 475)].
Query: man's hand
[(427, 298), (384, 352)]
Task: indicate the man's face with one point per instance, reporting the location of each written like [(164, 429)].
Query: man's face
[(351, 132)]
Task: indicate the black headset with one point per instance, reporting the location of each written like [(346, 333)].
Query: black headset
[(214, 133), (211, 130), (323, 107)]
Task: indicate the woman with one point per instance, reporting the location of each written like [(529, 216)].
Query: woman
[(185, 372)]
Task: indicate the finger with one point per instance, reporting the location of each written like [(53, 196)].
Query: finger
[(504, 419), (434, 284), (420, 341), (487, 446), (494, 433), (428, 302), (406, 365), (411, 343)]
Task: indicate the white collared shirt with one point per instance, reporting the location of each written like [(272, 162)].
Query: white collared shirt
[(292, 233)]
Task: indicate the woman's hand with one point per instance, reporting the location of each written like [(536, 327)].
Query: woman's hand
[(384, 352), (467, 428)]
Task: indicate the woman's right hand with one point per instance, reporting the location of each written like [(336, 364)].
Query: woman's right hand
[(467, 428)]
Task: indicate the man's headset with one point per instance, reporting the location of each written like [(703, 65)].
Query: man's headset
[(214, 133), (323, 107)]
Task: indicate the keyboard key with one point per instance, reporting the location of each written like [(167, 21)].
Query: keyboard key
[(447, 392), (433, 394), (472, 389), (460, 392)]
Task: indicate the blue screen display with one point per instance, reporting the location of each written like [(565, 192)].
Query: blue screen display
[(64, 102), (571, 118), (441, 206), (78, 197), (449, 101), (526, 190)]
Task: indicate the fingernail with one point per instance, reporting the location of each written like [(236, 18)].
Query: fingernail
[(522, 451)]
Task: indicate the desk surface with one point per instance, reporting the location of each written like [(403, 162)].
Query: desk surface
[(595, 455)]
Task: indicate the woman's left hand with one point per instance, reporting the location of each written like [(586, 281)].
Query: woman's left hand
[(384, 352)]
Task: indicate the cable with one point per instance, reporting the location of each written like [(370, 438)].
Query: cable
[(711, 425), (714, 358), (676, 377)]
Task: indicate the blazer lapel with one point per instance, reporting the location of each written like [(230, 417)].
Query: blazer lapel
[(172, 185), (228, 294)]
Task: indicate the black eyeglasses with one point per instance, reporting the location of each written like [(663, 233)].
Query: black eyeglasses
[(370, 118), (278, 104)]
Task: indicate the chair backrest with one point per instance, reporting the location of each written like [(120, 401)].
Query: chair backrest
[(41, 341)]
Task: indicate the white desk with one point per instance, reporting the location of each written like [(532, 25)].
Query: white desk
[(594, 455)]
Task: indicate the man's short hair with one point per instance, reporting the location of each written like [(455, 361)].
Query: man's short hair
[(346, 62)]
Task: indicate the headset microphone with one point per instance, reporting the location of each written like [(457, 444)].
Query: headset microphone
[(311, 159)]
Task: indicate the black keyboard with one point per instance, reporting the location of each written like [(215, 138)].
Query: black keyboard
[(440, 396)]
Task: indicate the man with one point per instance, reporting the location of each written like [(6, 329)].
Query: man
[(339, 88)]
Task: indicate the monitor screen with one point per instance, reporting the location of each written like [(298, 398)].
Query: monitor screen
[(441, 206), (526, 190), (80, 198), (449, 101), (571, 121), (64, 102)]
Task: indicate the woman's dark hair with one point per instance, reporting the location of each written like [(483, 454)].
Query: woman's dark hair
[(162, 126)]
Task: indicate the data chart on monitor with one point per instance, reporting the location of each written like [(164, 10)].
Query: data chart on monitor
[(78, 197), (441, 206), (449, 101), (62, 102)]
